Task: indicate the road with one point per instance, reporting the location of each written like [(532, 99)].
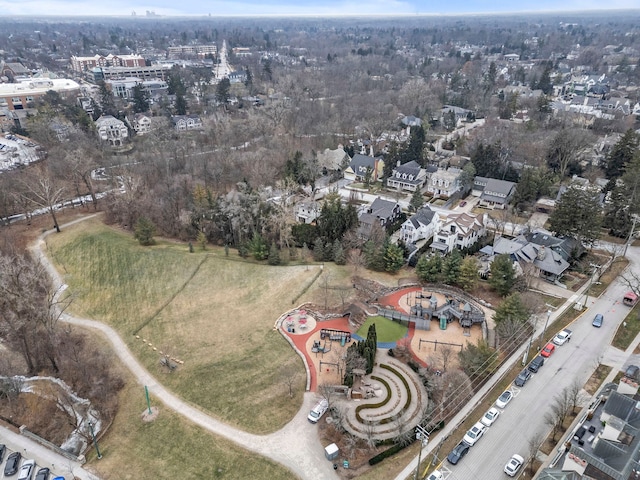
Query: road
[(524, 416)]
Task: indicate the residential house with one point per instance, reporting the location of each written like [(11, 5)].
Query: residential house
[(112, 130), (607, 444), (444, 183), (363, 167), (409, 176), (567, 247), (182, 123), (141, 123), (307, 212), (333, 160), (533, 259), (13, 71), (381, 212), (460, 114), (459, 230), (493, 193), (422, 225)]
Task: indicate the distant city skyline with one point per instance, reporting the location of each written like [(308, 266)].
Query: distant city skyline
[(298, 8)]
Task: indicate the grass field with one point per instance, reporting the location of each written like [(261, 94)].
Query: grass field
[(386, 330), (628, 330), (214, 313)]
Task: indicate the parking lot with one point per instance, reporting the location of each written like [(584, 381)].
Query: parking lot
[(59, 466)]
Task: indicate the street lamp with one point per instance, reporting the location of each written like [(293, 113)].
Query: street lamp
[(423, 436), (95, 442)]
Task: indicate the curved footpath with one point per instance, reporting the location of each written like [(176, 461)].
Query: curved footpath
[(296, 446)]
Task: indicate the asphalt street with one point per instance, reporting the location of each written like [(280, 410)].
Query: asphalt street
[(524, 415)]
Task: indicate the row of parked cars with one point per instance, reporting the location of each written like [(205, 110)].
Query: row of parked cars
[(24, 471)]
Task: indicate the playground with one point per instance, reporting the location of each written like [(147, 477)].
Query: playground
[(322, 344)]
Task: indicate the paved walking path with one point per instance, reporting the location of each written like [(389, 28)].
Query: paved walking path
[(296, 446)]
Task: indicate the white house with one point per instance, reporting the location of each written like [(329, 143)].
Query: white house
[(111, 130), (363, 167), (421, 226), (307, 212), (459, 230), (409, 176), (183, 123), (444, 183), (140, 123)]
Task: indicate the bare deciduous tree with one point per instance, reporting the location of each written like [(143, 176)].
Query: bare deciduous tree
[(533, 444)]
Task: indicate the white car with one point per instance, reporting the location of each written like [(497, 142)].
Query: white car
[(318, 411), (512, 467), (474, 434), (504, 399), (26, 471), (562, 337), (435, 475), (490, 417)]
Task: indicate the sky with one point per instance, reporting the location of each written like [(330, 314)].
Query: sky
[(301, 7)]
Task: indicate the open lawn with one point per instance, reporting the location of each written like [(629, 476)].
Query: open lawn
[(170, 446), (627, 330), (214, 313), (386, 330)]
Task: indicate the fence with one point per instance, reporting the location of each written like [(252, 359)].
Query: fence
[(52, 446)]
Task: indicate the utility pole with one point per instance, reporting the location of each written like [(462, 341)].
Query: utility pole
[(423, 436), (630, 239), (546, 323)]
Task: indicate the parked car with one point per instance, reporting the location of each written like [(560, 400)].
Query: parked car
[(536, 363), (26, 471), (548, 349), (597, 320), (43, 474), (3, 449), (522, 378), (562, 337), (435, 475), (490, 417), (11, 467), (504, 399), (457, 453), (474, 434), (318, 411), (632, 372), (463, 203), (513, 465)]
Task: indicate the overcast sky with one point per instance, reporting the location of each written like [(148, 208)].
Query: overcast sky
[(301, 7)]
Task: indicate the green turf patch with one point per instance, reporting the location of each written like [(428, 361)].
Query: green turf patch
[(386, 330)]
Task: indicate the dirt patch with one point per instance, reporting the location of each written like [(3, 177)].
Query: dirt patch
[(596, 379)]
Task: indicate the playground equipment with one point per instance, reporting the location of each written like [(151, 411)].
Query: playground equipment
[(335, 335), (317, 348)]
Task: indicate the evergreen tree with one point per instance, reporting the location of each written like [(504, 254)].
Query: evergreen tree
[(512, 309), (140, 99), (181, 104), (429, 268), (578, 214), (222, 91), (621, 154), (393, 257), (451, 267), (502, 274), (318, 250), (274, 255), (417, 201), (107, 102), (338, 253), (144, 231), (258, 247), (468, 276)]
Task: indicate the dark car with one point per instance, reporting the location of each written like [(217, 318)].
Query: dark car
[(597, 320), (3, 449), (632, 372), (13, 461), (522, 378), (536, 363), (43, 474), (457, 453)]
